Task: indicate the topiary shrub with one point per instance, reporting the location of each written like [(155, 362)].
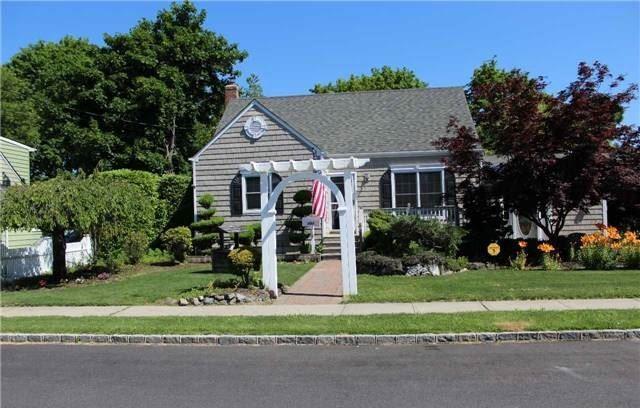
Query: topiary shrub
[(207, 228), (177, 241), (295, 230), (370, 263), (244, 261)]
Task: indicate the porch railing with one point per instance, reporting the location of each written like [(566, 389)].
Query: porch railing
[(446, 213)]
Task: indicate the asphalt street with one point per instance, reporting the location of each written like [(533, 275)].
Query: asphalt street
[(596, 374)]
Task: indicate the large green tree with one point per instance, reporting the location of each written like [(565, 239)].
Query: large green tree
[(60, 83), (487, 89), (166, 81), (379, 79), (20, 120)]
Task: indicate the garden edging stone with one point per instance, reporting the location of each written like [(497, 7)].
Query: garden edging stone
[(326, 340)]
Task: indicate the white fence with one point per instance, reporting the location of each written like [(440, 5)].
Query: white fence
[(38, 259)]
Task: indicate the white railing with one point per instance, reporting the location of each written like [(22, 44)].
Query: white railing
[(446, 213)]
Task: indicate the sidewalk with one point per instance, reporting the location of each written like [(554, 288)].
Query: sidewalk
[(323, 310)]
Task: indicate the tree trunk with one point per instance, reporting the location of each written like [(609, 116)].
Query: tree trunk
[(59, 255), (170, 146)]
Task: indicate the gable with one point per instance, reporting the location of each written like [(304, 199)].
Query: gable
[(278, 133)]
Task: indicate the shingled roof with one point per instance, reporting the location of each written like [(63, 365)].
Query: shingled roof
[(367, 122)]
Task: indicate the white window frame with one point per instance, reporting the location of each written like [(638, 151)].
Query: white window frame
[(245, 210), (417, 169)]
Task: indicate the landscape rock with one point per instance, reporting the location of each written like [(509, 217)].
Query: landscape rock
[(241, 298), (183, 302), (208, 300), (195, 301)]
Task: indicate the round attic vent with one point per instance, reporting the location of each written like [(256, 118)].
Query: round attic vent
[(255, 127)]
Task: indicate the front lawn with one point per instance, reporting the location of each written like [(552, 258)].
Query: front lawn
[(143, 284), (371, 324), (499, 285)]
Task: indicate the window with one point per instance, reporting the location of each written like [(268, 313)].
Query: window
[(422, 188), (406, 189), (250, 193), (430, 189)]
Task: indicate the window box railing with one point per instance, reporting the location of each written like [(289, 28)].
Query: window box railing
[(446, 213)]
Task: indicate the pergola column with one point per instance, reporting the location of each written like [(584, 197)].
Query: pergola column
[(268, 223), (347, 229)]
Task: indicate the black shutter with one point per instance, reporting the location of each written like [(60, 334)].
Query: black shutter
[(449, 188), (275, 180), (235, 195), (385, 190)]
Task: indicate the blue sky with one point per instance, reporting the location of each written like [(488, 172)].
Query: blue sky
[(292, 46)]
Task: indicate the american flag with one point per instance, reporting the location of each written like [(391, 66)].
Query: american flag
[(319, 199)]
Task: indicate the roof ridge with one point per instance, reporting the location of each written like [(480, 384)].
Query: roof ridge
[(429, 88)]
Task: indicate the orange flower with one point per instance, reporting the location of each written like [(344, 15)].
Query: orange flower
[(522, 244), (546, 247), (612, 233), (630, 237), (601, 226)]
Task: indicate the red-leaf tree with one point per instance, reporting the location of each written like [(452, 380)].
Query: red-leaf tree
[(554, 153)]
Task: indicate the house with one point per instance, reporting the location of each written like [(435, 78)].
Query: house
[(15, 169), (395, 129), (28, 253)]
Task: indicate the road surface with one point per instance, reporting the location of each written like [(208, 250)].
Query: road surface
[(597, 374)]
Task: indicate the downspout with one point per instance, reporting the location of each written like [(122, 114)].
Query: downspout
[(195, 190)]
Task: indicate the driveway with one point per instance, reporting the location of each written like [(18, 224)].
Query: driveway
[(499, 375)]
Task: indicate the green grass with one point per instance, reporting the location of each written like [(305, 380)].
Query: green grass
[(142, 285), (500, 285), (376, 324)]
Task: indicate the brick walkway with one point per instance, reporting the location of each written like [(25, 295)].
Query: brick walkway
[(322, 285)]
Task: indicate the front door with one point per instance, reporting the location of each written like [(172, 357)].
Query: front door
[(335, 217)]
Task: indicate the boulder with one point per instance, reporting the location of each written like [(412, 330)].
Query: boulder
[(183, 302), (208, 300)]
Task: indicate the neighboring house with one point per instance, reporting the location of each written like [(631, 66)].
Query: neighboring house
[(27, 253), (15, 168), (395, 129)]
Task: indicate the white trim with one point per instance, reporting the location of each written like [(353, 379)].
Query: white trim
[(29, 148), (271, 115), (605, 213), (407, 153), (195, 191), (417, 169), (393, 189), (245, 210)]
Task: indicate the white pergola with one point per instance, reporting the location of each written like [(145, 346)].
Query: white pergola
[(308, 170)]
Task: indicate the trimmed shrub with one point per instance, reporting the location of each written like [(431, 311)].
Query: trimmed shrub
[(176, 196), (369, 262), (177, 241), (402, 235), (423, 258), (295, 230), (206, 229), (244, 261), (135, 246), (456, 264)]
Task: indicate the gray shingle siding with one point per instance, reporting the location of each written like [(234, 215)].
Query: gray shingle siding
[(218, 164)]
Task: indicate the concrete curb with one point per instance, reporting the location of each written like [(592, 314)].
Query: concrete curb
[(326, 340)]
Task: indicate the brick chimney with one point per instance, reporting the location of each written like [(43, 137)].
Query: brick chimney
[(231, 92)]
